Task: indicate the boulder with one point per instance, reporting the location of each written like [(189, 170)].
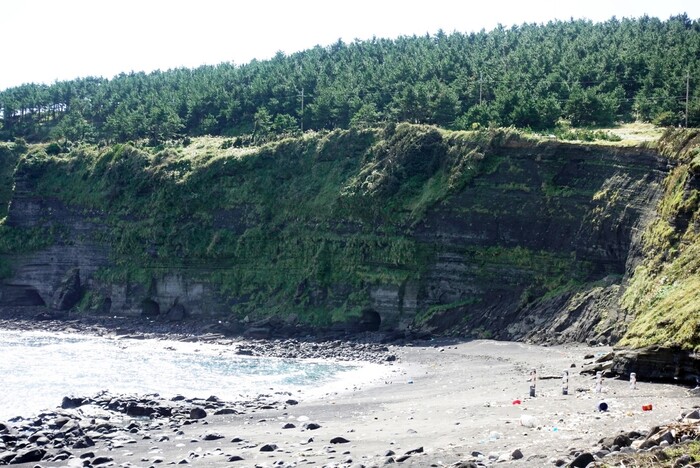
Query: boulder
[(197, 413), (6, 457), (583, 460), (28, 456), (135, 409), (71, 402), (83, 442)]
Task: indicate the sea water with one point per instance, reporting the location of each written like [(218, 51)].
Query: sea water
[(37, 369)]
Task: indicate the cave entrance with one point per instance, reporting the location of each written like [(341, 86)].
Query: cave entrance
[(106, 305), (22, 296), (370, 320), (150, 308)]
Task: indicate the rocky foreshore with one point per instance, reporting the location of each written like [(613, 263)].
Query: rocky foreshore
[(105, 429), (107, 423), (445, 404)]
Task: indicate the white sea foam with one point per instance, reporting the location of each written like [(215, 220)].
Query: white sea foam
[(37, 369)]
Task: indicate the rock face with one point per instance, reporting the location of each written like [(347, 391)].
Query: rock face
[(659, 363), (535, 245), (542, 212), (69, 291)]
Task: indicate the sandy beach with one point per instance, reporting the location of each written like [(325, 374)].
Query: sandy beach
[(440, 404)]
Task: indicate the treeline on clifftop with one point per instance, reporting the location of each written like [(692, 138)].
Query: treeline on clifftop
[(526, 76)]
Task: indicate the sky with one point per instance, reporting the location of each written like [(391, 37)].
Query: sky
[(55, 40)]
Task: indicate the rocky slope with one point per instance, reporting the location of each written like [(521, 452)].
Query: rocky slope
[(476, 234)]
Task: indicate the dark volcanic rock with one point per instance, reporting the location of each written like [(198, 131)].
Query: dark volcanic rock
[(29, 455), (658, 364), (135, 409), (197, 413), (6, 457), (582, 461), (339, 440), (69, 292), (176, 313), (71, 402), (268, 448), (83, 442)]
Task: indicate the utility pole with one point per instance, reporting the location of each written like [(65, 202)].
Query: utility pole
[(687, 95), (301, 95), (481, 80)]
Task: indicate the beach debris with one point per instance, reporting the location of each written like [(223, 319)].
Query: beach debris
[(517, 402), (633, 381), (592, 368), (648, 407), (533, 382), (602, 406), (527, 420), (565, 382), (599, 382)]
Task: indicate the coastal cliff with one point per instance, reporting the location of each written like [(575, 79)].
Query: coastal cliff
[(407, 228)]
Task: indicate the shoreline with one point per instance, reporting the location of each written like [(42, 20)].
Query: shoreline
[(448, 403)]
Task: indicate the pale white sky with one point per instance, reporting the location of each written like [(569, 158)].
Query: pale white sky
[(48, 40)]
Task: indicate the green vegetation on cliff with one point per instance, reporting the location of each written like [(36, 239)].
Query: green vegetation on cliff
[(664, 292), (306, 225), (456, 230)]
